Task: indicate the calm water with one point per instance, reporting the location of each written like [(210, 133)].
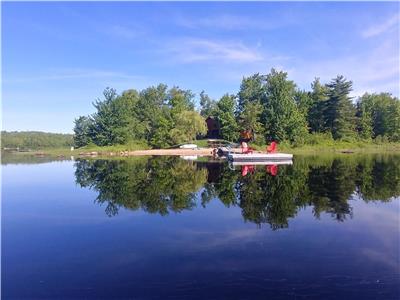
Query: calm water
[(160, 228)]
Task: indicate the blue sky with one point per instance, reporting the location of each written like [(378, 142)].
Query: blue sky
[(57, 58)]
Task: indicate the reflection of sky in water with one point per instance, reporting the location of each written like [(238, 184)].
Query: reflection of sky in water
[(58, 242)]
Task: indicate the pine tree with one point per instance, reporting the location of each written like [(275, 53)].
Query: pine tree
[(340, 112), (315, 116)]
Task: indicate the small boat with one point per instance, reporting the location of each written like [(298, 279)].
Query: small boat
[(189, 157), (188, 146), (260, 157)]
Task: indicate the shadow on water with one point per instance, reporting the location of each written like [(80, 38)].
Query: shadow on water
[(169, 184)]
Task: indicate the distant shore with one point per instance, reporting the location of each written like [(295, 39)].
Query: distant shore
[(125, 151)]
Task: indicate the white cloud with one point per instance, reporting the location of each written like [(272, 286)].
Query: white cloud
[(227, 22), (380, 28), (372, 71), (71, 74), (201, 50)]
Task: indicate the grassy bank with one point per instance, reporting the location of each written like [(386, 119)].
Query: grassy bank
[(316, 149), (337, 147)]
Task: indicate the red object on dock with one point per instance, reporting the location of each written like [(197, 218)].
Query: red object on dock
[(273, 147), (246, 149)]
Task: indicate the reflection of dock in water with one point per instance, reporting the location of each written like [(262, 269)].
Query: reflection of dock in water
[(265, 158), (262, 163)]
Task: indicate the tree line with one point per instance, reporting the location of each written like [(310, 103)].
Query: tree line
[(271, 106), (35, 140)]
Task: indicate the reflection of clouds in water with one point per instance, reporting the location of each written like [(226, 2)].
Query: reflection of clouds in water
[(383, 226)]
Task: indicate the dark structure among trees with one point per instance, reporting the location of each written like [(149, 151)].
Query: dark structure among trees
[(213, 128)]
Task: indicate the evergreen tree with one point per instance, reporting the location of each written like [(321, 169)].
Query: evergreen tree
[(82, 131), (340, 112), (315, 118)]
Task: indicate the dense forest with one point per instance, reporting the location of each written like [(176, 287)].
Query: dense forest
[(35, 140), (271, 106), (167, 184)]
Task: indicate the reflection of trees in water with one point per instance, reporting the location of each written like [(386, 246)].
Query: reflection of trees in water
[(163, 184), (154, 185), (330, 188)]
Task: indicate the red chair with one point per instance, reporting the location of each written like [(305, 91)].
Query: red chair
[(273, 147), (246, 169), (272, 169), (246, 149)]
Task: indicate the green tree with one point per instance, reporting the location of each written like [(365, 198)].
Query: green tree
[(364, 121), (226, 116), (249, 119), (252, 90), (304, 102), (82, 134), (393, 128), (106, 121), (188, 124), (340, 111), (180, 100), (316, 114), (282, 118), (384, 113), (207, 105)]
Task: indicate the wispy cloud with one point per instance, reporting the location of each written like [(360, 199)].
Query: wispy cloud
[(191, 50), (381, 28), (72, 74), (227, 22), (372, 71)]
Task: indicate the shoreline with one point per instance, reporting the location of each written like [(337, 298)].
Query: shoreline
[(335, 149)]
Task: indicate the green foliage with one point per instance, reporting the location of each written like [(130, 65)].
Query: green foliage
[(250, 119), (156, 115), (316, 114), (379, 115), (364, 121), (82, 129), (35, 140), (159, 185), (270, 106), (225, 114), (340, 112), (251, 91), (282, 118), (188, 125), (207, 105)]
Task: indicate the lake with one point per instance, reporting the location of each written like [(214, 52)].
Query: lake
[(169, 228)]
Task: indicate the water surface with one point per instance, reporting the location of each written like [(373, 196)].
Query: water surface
[(156, 228)]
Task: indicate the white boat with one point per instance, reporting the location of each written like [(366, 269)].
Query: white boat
[(260, 157), (188, 146), (189, 157)]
